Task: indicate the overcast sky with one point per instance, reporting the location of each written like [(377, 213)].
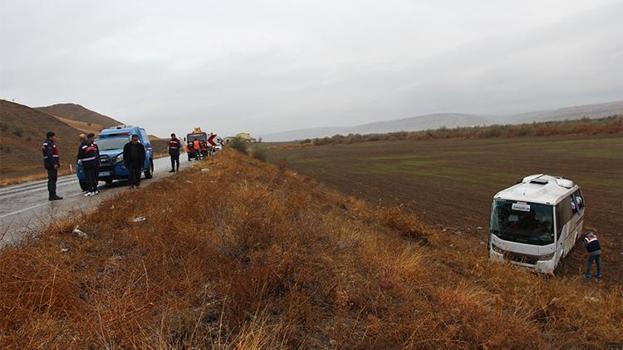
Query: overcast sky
[(266, 66)]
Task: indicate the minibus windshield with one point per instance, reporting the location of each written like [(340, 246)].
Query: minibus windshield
[(522, 222)]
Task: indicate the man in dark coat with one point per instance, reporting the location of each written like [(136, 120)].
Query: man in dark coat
[(51, 162), (174, 152), (134, 159)]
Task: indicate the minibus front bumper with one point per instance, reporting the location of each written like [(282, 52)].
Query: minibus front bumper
[(535, 263)]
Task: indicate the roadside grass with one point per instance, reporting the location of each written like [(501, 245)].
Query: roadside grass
[(249, 255)]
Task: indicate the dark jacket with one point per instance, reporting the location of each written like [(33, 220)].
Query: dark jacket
[(89, 154), (82, 143), (174, 147), (592, 245), (50, 154), (133, 155)]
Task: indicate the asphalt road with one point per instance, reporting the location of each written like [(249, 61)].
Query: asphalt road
[(25, 209)]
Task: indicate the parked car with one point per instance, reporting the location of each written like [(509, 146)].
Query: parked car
[(110, 143)]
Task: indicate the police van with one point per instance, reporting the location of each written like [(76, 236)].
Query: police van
[(536, 222), (110, 143)]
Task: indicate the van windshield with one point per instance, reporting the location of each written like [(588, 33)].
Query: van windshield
[(522, 222), (108, 143)]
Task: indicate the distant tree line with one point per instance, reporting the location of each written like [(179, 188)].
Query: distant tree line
[(585, 126)]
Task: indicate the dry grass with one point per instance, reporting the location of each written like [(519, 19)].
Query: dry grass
[(270, 259), (85, 127)]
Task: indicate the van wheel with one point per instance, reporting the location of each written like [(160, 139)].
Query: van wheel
[(83, 185), (108, 183), (149, 173)]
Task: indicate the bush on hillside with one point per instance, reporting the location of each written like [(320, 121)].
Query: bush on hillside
[(259, 153), (239, 145)]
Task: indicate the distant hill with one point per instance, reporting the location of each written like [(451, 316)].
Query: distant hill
[(83, 116), (429, 121), (22, 130), (423, 122), (452, 120), (577, 112)]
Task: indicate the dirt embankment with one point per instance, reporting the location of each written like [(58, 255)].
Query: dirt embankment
[(249, 255)]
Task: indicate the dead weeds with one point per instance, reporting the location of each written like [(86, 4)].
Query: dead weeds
[(253, 256)]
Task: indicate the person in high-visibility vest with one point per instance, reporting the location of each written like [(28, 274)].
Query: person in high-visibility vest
[(197, 148)]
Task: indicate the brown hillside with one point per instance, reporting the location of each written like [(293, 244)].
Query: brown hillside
[(22, 129), (85, 127), (79, 113)]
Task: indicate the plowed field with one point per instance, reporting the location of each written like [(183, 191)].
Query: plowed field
[(450, 183)]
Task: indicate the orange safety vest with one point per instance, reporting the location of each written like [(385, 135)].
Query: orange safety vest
[(196, 145)]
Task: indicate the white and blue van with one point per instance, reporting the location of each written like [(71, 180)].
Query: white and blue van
[(110, 143)]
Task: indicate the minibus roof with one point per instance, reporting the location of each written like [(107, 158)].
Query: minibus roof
[(540, 188)]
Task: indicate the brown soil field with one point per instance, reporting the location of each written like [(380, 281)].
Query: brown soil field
[(450, 183)]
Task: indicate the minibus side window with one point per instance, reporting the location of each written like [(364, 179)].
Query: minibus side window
[(579, 199), (564, 212)]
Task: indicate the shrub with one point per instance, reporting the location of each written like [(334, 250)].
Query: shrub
[(259, 153), (239, 145), (584, 126)]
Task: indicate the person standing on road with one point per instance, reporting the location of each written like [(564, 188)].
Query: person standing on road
[(89, 157), (51, 162), (83, 140), (174, 152), (594, 254), (197, 148), (133, 159)]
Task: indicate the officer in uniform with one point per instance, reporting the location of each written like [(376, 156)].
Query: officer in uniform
[(51, 162), (174, 152), (89, 157)]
